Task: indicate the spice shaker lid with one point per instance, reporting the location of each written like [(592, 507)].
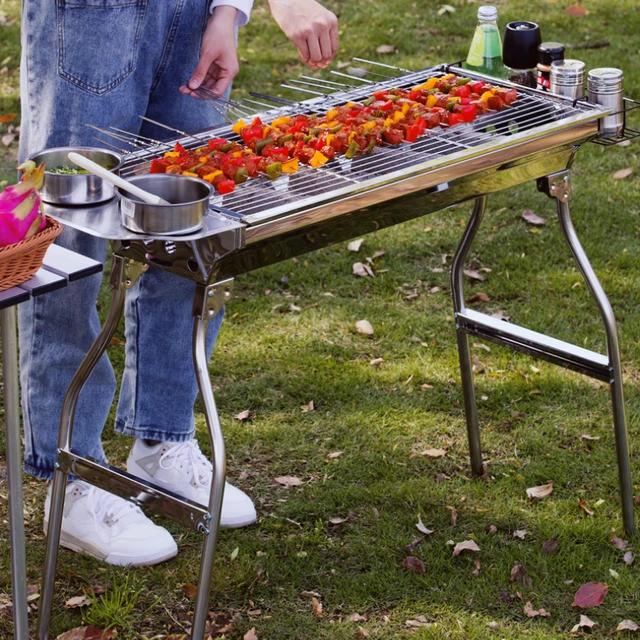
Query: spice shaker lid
[(605, 80), (550, 51), (520, 44), (487, 12), (567, 72)]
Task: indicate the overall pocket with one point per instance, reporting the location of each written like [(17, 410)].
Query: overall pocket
[(98, 41)]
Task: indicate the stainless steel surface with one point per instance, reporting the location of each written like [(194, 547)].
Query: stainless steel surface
[(72, 190), (605, 87), (123, 276), (14, 473), (185, 213), (207, 304), (567, 78)]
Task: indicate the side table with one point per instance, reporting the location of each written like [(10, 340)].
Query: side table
[(60, 268)]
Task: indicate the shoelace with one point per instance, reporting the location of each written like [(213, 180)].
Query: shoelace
[(102, 503), (190, 453)]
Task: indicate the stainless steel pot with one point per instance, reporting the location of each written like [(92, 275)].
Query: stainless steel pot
[(81, 189), (186, 213)]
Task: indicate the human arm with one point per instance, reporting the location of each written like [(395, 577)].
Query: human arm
[(311, 27), (218, 63)]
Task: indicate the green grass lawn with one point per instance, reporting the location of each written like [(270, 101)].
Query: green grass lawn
[(342, 536)]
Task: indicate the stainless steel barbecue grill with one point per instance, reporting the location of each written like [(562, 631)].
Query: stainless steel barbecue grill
[(263, 222)]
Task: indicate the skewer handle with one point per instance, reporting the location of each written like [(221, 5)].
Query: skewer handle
[(112, 178)]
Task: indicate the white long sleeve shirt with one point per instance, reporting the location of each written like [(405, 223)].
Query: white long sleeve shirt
[(243, 6)]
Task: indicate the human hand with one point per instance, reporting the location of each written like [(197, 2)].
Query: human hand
[(218, 64), (311, 27)]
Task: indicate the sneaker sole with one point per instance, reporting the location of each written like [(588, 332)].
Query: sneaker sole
[(69, 541)]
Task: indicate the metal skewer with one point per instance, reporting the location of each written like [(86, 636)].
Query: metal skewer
[(315, 93), (381, 64), (265, 96), (346, 75)]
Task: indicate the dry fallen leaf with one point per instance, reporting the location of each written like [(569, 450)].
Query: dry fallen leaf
[(362, 270), (519, 574), (376, 362), (308, 407), (364, 327), (434, 453), (250, 635), (356, 617), (530, 612), (189, 590), (288, 481), (77, 601), (467, 545), (337, 520), (576, 11), (532, 218), (414, 564), (355, 245), (590, 595), (7, 118), (316, 607), (628, 625), (541, 491), (474, 275), (585, 623), (7, 139), (378, 254), (335, 454), (422, 529), (623, 173), (386, 48), (476, 572), (87, 633), (520, 533), (621, 544), (478, 297), (362, 633), (418, 622), (583, 505), (243, 415), (628, 558), (586, 436), (550, 546)]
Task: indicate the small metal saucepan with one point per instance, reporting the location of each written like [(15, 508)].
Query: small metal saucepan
[(188, 206), (75, 189)]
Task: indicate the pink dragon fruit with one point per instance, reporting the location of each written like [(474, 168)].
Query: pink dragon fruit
[(20, 207)]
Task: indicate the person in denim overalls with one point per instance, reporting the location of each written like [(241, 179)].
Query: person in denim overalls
[(105, 62)]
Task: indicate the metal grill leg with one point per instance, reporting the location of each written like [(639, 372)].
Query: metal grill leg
[(123, 276), (208, 302), (558, 186), (14, 473), (466, 372)]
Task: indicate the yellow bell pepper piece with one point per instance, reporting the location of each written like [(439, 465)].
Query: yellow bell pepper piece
[(447, 76), (432, 101), (329, 125), (369, 125), (389, 121), (351, 136), (190, 173), (280, 120), (397, 116), (329, 138), (318, 159), (405, 108), (265, 131), (236, 154), (290, 166), (331, 114), (238, 126), (454, 98), (352, 104), (210, 176), (431, 83), (172, 154), (485, 96)]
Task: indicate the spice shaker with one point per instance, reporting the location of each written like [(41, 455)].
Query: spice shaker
[(567, 78), (547, 53), (604, 87)]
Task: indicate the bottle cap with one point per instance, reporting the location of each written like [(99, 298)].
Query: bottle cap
[(605, 80), (487, 13), (520, 45), (550, 51), (567, 72)]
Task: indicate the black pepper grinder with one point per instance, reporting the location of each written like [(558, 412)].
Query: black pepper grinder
[(520, 52)]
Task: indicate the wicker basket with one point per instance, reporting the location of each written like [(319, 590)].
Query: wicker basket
[(20, 261)]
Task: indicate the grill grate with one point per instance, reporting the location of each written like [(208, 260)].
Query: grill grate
[(534, 113)]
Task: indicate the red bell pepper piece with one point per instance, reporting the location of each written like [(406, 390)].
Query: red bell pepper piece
[(464, 90), (380, 95), (455, 118), (387, 106), (469, 113), (412, 133), (280, 154), (158, 165), (226, 186), (414, 95), (252, 133), (216, 143), (179, 148), (477, 87)]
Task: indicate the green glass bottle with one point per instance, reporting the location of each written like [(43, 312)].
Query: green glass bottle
[(485, 53)]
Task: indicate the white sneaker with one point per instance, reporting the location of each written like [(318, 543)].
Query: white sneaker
[(110, 528), (182, 468)]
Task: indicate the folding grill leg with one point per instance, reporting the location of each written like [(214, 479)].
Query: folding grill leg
[(558, 186), (207, 304), (124, 274), (464, 353)]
